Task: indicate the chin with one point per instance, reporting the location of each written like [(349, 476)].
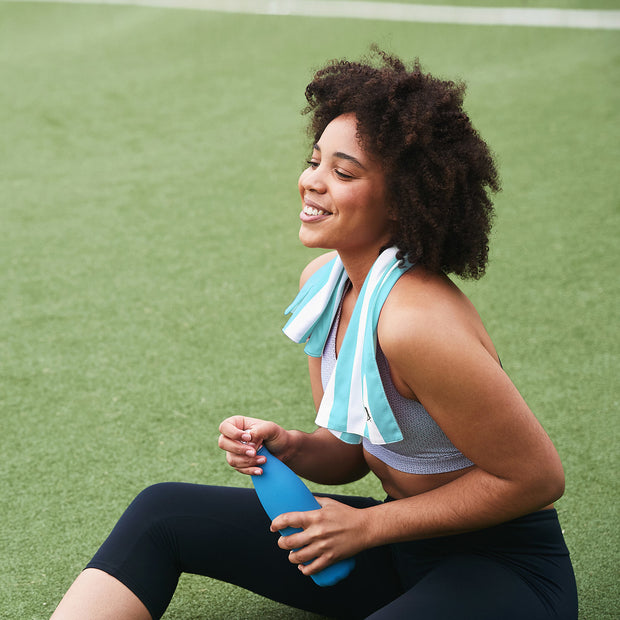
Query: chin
[(312, 241)]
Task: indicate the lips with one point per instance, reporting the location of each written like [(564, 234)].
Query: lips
[(312, 212)]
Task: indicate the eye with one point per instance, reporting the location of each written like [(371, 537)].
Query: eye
[(313, 163), (343, 175)]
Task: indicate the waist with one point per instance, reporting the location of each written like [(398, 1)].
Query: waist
[(399, 484)]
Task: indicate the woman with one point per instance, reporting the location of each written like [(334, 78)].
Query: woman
[(407, 384)]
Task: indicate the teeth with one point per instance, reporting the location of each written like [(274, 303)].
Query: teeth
[(313, 211)]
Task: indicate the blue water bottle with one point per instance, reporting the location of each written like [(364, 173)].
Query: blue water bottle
[(280, 490)]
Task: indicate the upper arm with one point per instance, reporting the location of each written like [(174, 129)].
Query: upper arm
[(462, 386)]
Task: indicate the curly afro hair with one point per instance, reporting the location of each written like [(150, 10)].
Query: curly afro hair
[(439, 172)]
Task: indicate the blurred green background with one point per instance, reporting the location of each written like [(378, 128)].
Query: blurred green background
[(148, 247)]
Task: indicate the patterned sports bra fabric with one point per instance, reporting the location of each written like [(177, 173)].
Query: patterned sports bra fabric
[(424, 449)]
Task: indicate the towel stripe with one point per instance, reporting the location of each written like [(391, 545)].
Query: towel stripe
[(354, 403)]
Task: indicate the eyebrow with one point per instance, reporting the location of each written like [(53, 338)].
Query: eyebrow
[(341, 155)]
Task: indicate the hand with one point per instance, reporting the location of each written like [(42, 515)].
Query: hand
[(241, 436), (331, 534)]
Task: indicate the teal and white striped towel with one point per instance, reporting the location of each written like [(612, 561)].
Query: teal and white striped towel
[(354, 404)]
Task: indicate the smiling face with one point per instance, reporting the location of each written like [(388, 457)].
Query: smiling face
[(343, 194)]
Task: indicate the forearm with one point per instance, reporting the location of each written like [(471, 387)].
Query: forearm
[(323, 458), (473, 501), (317, 456)]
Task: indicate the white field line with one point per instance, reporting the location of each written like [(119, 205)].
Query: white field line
[(390, 11)]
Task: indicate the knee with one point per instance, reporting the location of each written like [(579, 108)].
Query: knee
[(156, 492), (154, 502)]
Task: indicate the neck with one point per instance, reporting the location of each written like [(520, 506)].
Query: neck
[(357, 266)]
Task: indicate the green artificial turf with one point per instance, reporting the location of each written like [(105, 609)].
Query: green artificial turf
[(148, 246)]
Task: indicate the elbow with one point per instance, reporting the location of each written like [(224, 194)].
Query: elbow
[(558, 484), (554, 490), (557, 480), (549, 483)]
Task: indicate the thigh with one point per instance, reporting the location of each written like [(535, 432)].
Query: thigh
[(468, 587), (223, 533), (246, 554)]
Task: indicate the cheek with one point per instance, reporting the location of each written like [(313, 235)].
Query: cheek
[(377, 213)]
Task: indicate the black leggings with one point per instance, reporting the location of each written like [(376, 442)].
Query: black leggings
[(520, 569)]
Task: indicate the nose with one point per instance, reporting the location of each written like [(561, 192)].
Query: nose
[(312, 179)]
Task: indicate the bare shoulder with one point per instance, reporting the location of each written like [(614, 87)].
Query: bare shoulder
[(429, 297), (314, 265), (428, 311)]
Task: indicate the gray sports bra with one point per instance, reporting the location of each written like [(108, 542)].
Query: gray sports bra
[(424, 449)]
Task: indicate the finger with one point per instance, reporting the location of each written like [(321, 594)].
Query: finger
[(299, 520), (303, 555), (244, 461), (246, 464), (242, 457), (293, 541), (236, 447), (308, 561), (300, 553), (311, 567), (236, 428), (250, 471)]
